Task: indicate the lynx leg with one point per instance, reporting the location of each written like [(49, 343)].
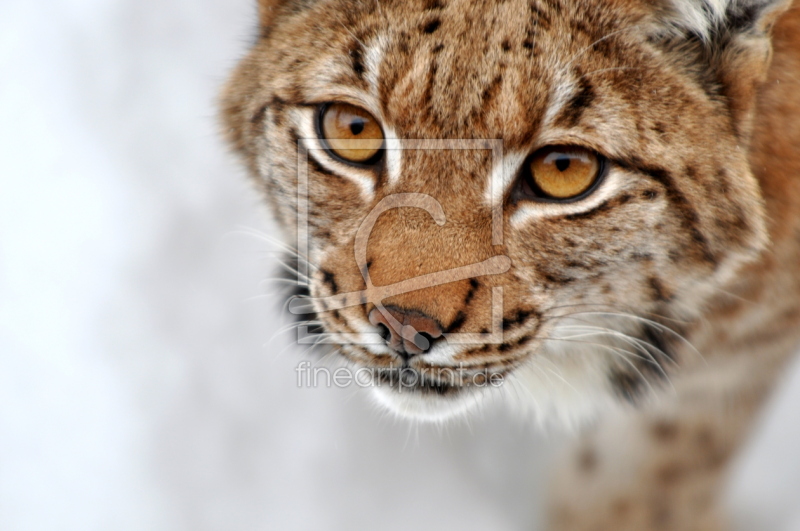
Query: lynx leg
[(659, 469)]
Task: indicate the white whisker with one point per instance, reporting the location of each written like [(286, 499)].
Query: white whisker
[(595, 43)]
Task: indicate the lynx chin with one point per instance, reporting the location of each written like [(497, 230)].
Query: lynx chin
[(596, 202)]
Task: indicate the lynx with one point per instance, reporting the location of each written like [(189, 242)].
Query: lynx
[(588, 208)]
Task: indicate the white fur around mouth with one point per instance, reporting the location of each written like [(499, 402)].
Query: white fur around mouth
[(428, 401)]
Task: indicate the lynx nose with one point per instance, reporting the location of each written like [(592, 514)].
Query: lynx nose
[(416, 333)]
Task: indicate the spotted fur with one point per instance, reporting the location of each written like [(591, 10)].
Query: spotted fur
[(658, 300)]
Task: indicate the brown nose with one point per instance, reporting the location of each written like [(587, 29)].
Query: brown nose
[(408, 332)]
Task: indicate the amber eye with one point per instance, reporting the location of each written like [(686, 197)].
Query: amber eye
[(351, 133), (562, 172)]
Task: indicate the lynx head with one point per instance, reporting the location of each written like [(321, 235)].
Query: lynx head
[(518, 191)]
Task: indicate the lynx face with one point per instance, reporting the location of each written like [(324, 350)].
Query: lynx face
[(570, 175)]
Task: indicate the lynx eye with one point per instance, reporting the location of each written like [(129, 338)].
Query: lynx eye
[(562, 173), (351, 133)]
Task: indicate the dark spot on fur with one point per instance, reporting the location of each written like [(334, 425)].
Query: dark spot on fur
[(555, 278), (539, 17), (741, 17), (258, 117), (650, 195), (519, 318), (660, 339), (432, 26), (665, 431), (638, 256), (572, 264), (659, 292), (573, 111), (330, 280), (491, 91), (428, 96), (627, 385), (506, 45), (461, 317), (588, 461), (357, 58), (404, 42), (670, 473), (294, 139), (277, 106), (473, 287), (436, 4), (438, 48), (524, 340)]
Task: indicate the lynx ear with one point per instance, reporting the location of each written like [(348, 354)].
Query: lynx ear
[(726, 43), (711, 20)]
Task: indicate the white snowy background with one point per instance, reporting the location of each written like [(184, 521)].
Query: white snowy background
[(140, 389)]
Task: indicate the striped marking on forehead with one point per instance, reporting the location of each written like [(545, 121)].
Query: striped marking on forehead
[(373, 56), (393, 154), (562, 99), (354, 69)]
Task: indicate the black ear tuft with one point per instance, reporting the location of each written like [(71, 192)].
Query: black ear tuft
[(743, 18), (714, 19), (725, 44)]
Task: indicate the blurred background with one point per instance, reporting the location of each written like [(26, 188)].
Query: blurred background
[(145, 382)]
